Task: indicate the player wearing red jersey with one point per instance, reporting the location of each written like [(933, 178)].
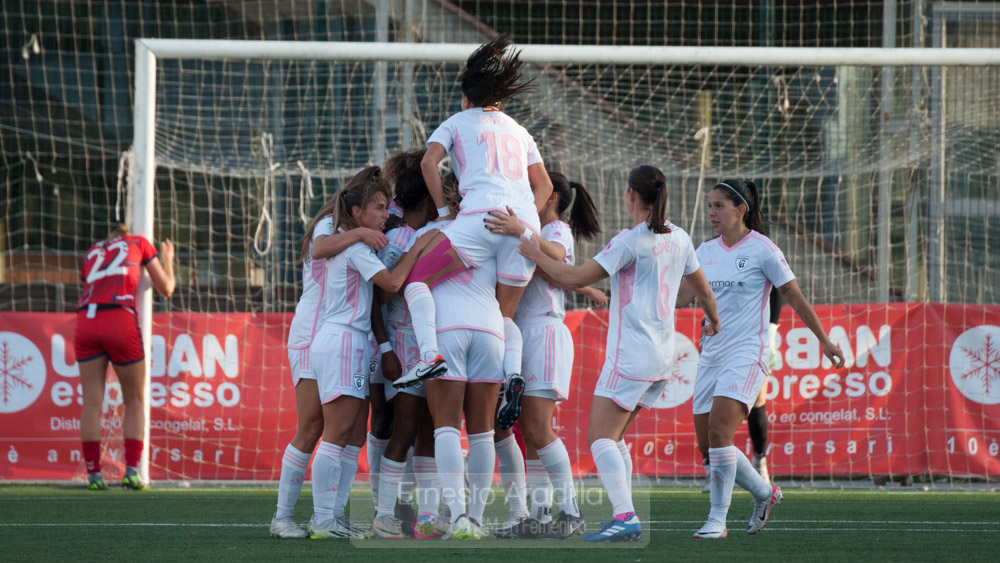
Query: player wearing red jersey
[(107, 330)]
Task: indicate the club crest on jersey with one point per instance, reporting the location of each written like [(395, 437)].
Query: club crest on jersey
[(741, 262), (372, 366), (359, 381)]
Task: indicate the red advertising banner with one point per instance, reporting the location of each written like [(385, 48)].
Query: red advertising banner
[(920, 394)]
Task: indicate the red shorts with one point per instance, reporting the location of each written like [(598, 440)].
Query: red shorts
[(113, 332)]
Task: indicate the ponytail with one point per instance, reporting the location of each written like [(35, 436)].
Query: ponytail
[(120, 231), (366, 175), (584, 221), (651, 186)]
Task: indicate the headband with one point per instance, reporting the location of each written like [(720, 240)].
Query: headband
[(737, 194)]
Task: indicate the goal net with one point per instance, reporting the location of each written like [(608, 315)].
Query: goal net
[(877, 168)]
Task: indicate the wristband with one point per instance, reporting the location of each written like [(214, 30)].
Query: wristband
[(444, 211), (526, 235), (385, 347)]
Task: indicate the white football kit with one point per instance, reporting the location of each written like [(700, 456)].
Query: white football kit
[(734, 362), (306, 320), (342, 340), (547, 364), (646, 269), (469, 324), (490, 154)]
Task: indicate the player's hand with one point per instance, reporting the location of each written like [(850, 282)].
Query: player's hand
[(373, 238), (833, 352), (528, 247), (423, 240), (504, 223), (167, 251), (391, 368), (596, 297), (710, 327)]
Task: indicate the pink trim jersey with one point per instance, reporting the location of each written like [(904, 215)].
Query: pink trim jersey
[(741, 277), (490, 154), (646, 269), (541, 298), (400, 240), (310, 305), (468, 300), (349, 289), (111, 271)]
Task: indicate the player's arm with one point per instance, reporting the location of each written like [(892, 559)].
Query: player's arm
[(391, 368), (792, 295), (685, 293), (563, 274), (429, 168), (390, 282), (326, 246), (508, 224), (698, 285), (162, 274), (541, 184)]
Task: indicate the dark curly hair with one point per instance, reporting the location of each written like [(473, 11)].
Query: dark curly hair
[(490, 76)]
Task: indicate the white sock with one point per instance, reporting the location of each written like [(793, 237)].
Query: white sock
[(348, 469), (539, 490), (388, 488), (409, 482), (424, 314), (482, 462), (611, 469), (428, 487), (627, 458), (451, 468), (556, 460), (722, 462), (748, 478), (511, 464), (374, 451), (512, 348), (325, 479), (293, 471)]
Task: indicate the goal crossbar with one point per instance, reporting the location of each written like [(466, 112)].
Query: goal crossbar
[(564, 54)]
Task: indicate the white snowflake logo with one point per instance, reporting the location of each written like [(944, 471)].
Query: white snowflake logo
[(22, 372), (975, 364), (680, 384)]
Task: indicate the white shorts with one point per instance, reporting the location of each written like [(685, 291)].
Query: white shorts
[(547, 363), (474, 356), (344, 369), (739, 379), (628, 393), (475, 244), (300, 360), (404, 344)]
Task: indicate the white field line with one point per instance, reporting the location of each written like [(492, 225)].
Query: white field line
[(782, 525)]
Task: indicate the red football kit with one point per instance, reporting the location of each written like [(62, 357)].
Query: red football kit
[(110, 274)]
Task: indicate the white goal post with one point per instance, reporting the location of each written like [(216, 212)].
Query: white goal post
[(912, 281)]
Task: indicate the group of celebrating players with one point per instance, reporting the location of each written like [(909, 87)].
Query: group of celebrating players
[(461, 301)]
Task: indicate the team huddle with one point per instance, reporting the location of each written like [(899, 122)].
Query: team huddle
[(427, 298)]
